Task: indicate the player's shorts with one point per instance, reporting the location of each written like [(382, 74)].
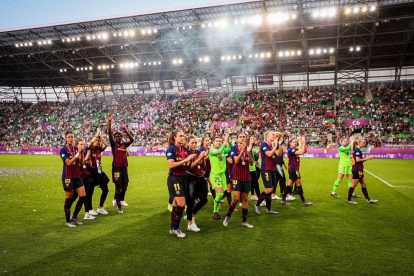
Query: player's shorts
[(294, 175), (345, 170), (358, 175), (269, 178), (70, 184), (242, 186), (207, 174), (177, 184), (218, 180), (120, 175)]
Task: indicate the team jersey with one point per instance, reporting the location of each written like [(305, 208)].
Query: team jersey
[(344, 156), (357, 166), (229, 166), (218, 159), (268, 163), (208, 163), (96, 156), (294, 160), (73, 170), (85, 166), (197, 170), (174, 152), (240, 172), (119, 152)]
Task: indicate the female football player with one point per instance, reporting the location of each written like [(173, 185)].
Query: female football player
[(196, 184), (72, 157), (86, 178), (293, 168), (178, 159), (280, 173), (345, 166), (218, 169), (242, 156), (270, 148), (99, 178), (205, 142), (358, 171), (120, 162)]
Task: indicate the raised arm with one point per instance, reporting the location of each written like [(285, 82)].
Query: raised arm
[(131, 138), (104, 142), (280, 150), (111, 137)]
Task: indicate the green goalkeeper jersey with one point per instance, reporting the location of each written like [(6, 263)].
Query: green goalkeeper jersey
[(344, 156), (218, 159)]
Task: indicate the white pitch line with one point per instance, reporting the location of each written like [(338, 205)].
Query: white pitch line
[(392, 186)]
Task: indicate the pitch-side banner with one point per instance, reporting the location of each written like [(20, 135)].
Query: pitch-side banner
[(144, 86), (239, 81), (356, 122), (225, 124), (166, 85), (189, 84), (48, 126), (214, 82), (265, 80)]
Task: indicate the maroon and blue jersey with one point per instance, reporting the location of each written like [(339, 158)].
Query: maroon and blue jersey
[(73, 170), (240, 172), (197, 170), (268, 163), (208, 165), (119, 152), (294, 160), (85, 166), (96, 155), (173, 152), (357, 166)]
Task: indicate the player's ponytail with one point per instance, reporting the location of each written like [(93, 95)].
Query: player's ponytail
[(171, 138)]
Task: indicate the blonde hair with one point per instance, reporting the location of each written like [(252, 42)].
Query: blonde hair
[(266, 134)]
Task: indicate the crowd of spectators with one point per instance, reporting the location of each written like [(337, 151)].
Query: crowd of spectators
[(317, 114)]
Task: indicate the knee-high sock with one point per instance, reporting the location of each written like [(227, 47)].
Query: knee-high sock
[(269, 201), (244, 214), (300, 192), (173, 218), (78, 207), (170, 200), (178, 214), (103, 195), (350, 192), (231, 209), (217, 200), (365, 192), (349, 183), (228, 195), (287, 191), (261, 197), (68, 204), (336, 185)]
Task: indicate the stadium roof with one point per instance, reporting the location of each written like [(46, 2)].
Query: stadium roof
[(243, 38)]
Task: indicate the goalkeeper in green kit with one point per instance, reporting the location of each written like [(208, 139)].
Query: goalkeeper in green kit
[(345, 165), (218, 170)]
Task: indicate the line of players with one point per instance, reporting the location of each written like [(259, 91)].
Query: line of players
[(232, 169), (82, 171)]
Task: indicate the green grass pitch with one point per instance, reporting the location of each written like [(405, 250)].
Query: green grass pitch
[(327, 238)]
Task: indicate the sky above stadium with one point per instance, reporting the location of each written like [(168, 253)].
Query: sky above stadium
[(21, 13)]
